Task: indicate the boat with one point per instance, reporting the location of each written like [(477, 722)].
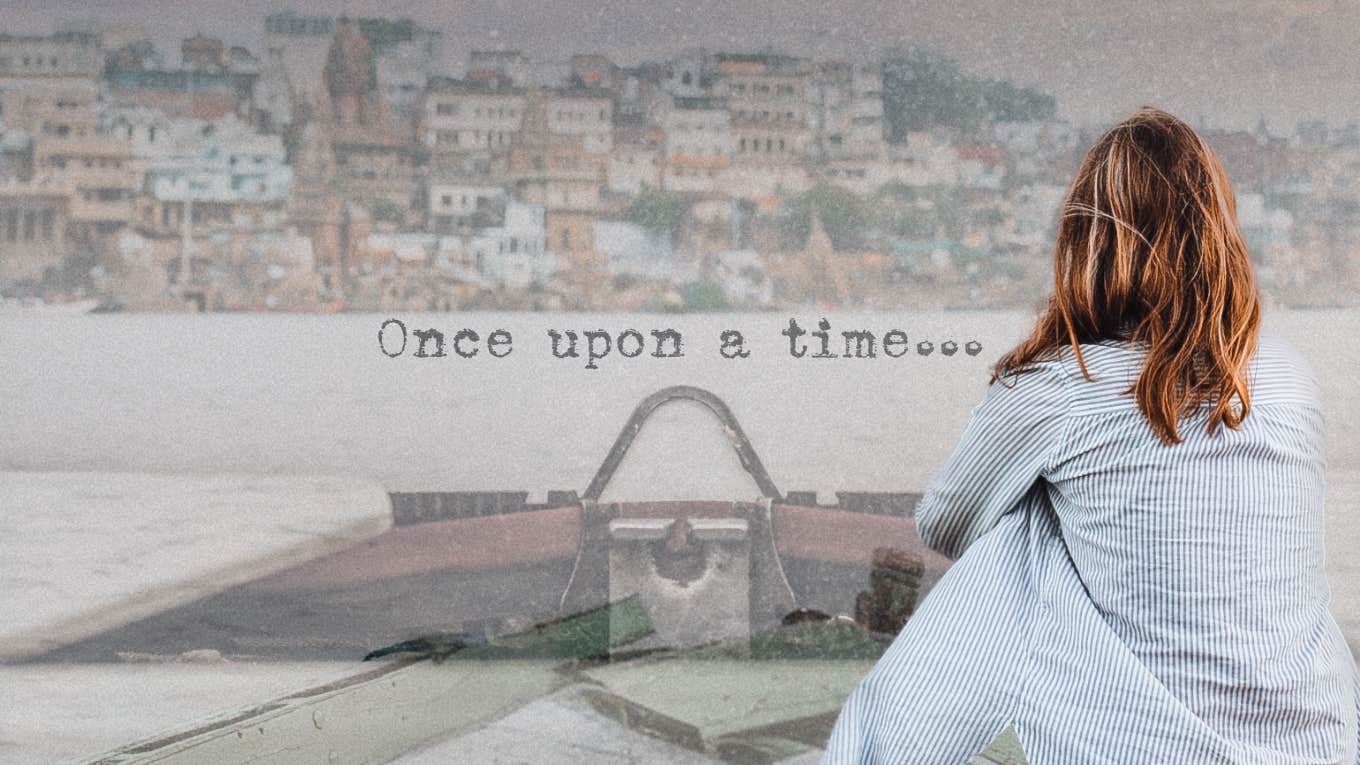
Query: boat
[(640, 614)]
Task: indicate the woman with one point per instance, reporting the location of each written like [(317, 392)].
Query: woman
[(1135, 510)]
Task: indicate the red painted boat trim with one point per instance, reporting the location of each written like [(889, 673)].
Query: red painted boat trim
[(837, 536), (541, 536), (463, 544)]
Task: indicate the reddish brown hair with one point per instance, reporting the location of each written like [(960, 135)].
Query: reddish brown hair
[(1149, 250)]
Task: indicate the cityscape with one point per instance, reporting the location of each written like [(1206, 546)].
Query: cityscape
[(339, 168)]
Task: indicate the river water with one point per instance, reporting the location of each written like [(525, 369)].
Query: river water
[(317, 394)]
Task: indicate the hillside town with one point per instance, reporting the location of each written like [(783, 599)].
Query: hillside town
[(339, 168)]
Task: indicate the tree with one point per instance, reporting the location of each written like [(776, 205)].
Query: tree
[(846, 216), (386, 210), (703, 296), (660, 210), (384, 34), (923, 89)]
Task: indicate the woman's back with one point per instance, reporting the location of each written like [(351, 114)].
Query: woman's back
[(1116, 598), (1206, 557), (1135, 508)]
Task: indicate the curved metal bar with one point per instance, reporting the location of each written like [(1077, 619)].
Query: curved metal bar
[(740, 443)]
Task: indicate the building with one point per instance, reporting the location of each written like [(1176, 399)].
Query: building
[(636, 160), (641, 253), (65, 55), (561, 162), (72, 184), (70, 146), (743, 277), (222, 175), (376, 161), (768, 99), (212, 81), (32, 229), (816, 273), (697, 127), (317, 209), (57, 108), (300, 44), (49, 84), (274, 95), (355, 165), (205, 94), (468, 126), (698, 143), (16, 154), (515, 254), (458, 203), (688, 75), (510, 65), (202, 52), (981, 166), (639, 91), (587, 113), (407, 55), (846, 115), (592, 70)]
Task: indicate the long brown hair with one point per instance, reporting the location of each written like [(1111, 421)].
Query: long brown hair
[(1149, 250)]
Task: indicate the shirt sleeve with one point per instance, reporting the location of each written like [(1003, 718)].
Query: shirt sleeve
[(1009, 444)]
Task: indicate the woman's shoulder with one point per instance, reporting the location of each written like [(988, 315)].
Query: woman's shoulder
[(1280, 374), (1040, 385), (1096, 365), (1277, 373)]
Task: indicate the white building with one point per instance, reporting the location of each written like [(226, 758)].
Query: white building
[(744, 279), (688, 77), (49, 57), (846, 114), (233, 176), (471, 116), (514, 254), (49, 85), (634, 166), (273, 96), (455, 202), (925, 159), (300, 43), (698, 143), (757, 180), (697, 127), (633, 250), (406, 67), (584, 112)]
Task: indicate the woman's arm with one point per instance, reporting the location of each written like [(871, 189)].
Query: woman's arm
[(1008, 444)]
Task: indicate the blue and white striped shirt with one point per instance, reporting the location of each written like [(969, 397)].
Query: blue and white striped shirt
[(1115, 599)]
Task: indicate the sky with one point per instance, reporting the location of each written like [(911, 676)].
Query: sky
[(1215, 63)]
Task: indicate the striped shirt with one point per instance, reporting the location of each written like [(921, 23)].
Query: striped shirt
[(1115, 599)]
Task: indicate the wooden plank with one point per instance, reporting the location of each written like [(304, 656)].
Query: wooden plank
[(755, 694), (378, 714), (371, 717)]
